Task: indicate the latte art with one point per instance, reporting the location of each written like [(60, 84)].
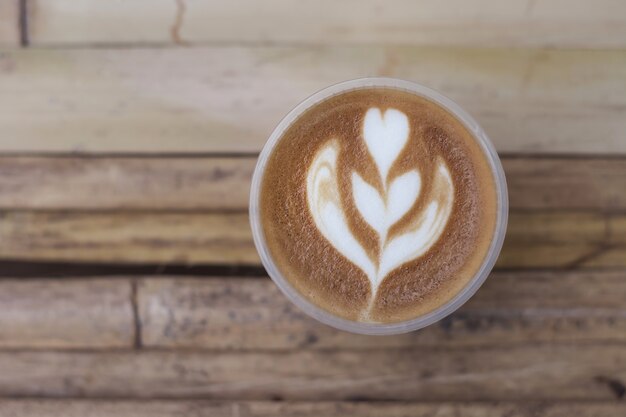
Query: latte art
[(325, 206), (386, 136), (377, 205)]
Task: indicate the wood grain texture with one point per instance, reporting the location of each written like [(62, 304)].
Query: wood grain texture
[(218, 183), (228, 99), (66, 314), (203, 408), (570, 23), (9, 27), (510, 308), (131, 154), (565, 183), (126, 183), (534, 239), (530, 371), (128, 237), (568, 240)]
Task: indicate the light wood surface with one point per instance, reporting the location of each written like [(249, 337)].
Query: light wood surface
[(219, 183), (543, 23), (128, 135), (228, 99), (511, 308), (534, 239), (9, 28), (523, 372), (203, 408), (70, 314)]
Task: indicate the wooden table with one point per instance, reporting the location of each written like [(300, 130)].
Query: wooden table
[(130, 285)]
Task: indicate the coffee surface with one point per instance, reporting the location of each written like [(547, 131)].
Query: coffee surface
[(378, 205)]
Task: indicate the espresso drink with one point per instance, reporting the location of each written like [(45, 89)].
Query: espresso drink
[(378, 205)]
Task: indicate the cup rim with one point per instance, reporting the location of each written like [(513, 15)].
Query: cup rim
[(440, 312)]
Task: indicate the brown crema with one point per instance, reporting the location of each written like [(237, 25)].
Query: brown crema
[(316, 269)]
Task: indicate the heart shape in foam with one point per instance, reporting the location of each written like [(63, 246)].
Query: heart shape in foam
[(385, 136)]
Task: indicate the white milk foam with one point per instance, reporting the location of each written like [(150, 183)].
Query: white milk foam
[(385, 136)]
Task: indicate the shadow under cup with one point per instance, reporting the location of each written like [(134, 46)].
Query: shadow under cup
[(473, 284)]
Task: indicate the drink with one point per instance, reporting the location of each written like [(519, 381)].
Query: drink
[(376, 207)]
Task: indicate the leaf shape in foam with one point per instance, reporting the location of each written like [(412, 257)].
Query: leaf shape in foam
[(427, 228), (324, 203), (369, 203), (385, 136), (401, 196)]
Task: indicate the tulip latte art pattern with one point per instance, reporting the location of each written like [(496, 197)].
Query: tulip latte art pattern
[(377, 205), (385, 135)]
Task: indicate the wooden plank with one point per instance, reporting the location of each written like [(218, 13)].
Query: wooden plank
[(66, 314), (228, 99), (570, 23), (96, 22), (511, 308), (569, 240), (553, 227), (158, 183), (618, 229), (126, 183), (203, 408), (128, 237), (534, 239), (9, 29), (525, 372), (566, 183)]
